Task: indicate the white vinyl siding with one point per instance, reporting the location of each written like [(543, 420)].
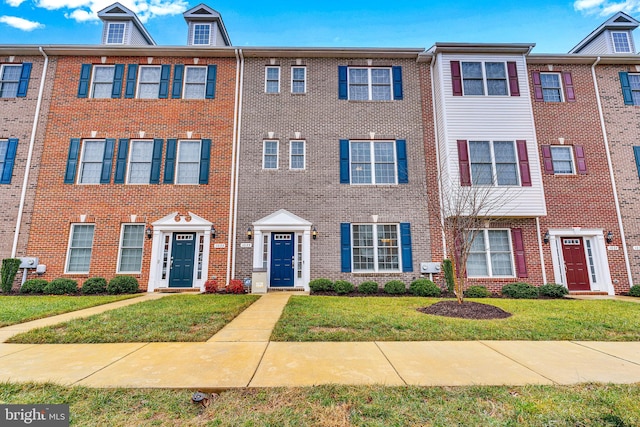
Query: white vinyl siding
[(91, 161), (131, 243), (140, 156), (188, 162), (490, 254), (80, 248)]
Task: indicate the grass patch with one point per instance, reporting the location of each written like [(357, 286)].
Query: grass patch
[(20, 309), (396, 319), (183, 318), (335, 406)]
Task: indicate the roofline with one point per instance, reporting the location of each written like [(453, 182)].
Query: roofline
[(136, 21), (573, 58), (453, 47)]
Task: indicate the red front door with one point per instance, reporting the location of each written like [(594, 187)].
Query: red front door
[(575, 264)]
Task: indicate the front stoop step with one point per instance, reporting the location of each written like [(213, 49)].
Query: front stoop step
[(177, 290), (587, 293)]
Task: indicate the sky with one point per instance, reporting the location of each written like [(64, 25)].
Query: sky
[(554, 26)]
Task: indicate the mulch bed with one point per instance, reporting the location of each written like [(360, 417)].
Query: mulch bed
[(466, 310)]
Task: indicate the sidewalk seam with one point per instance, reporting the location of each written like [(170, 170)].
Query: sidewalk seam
[(518, 362), (604, 352), (390, 364), (115, 361)]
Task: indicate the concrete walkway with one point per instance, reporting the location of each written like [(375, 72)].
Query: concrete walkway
[(240, 355)]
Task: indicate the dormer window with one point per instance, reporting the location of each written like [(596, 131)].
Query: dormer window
[(201, 34), (621, 42), (115, 33)]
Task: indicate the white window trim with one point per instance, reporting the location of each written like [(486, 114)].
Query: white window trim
[(373, 163), (304, 154), (175, 172), (66, 263), (184, 82), (264, 147), (375, 248), (305, 79), (561, 88), (129, 154), (193, 35), (485, 79), (139, 81), (93, 77), (81, 161), (370, 83), (2, 67), (3, 160), (487, 254), (266, 73), (118, 270), (125, 33), (573, 159), (613, 42), (494, 172)]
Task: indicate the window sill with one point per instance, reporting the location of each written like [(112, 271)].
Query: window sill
[(377, 274), (377, 101), (298, 94)]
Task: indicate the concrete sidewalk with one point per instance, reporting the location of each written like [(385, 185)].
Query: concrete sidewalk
[(240, 355)]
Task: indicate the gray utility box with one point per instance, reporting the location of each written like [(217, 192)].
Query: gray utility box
[(259, 281), (430, 267), (28, 262)]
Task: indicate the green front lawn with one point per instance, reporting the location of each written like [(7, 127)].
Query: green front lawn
[(20, 309), (336, 406), (169, 319), (396, 319)]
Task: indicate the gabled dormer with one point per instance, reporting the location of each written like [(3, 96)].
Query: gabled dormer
[(205, 27), (614, 36), (122, 27)]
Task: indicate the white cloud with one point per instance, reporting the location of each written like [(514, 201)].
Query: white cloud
[(14, 3), (606, 7), (86, 10), (19, 23)]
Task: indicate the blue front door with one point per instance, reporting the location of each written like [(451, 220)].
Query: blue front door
[(182, 256), (282, 266)]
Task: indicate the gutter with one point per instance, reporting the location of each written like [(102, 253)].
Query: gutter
[(235, 207), (34, 129), (613, 179)]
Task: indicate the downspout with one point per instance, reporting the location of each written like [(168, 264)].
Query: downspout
[(233, 184), (235, 207), (544, 269), (34, 129), (435, 129), (613, 179)]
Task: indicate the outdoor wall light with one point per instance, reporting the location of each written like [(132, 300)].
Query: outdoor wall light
[(213, 231), (249, 233), (314, 233), (609, 237), (546, 238), (149, 232)]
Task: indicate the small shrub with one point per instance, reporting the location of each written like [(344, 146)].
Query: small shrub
[(520, 290), (94, 285), (61, 286), (8, 271), (447, 267), (34, 286), (424, 288), (395, 287), (122, 285), (635, 291), (477, 292), (368, 288), (320, 285), (235, 286), (211, 286), (553, 290), (343, 287)]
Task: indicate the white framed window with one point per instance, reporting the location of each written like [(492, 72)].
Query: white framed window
[(373, 162), (140, 157), (634, 83), (91, 161), (80, 247), (200, 256), (4, 148), (130, 253), (370, 84), (620, 42), (265, 249), (188, 162), (490, 254), (115, 32), (102, 82), (479, 78), (297, 155), (195, 82), (375, 248), (493, 163), (202, 34), (149, 81), (272, 80), (270, 154), (9, 80), (298, 79), (562, 159), (551, 87)]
